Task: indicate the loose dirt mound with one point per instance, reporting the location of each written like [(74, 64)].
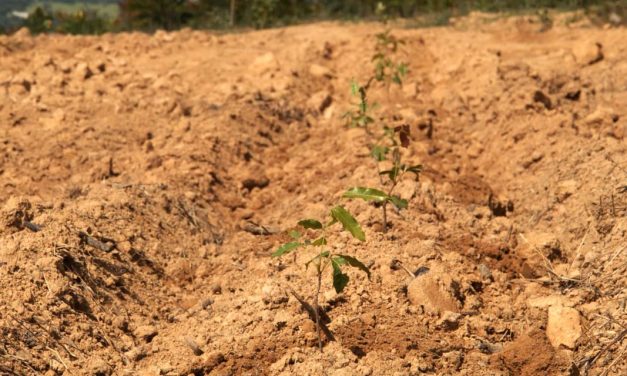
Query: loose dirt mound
[(145, 180)]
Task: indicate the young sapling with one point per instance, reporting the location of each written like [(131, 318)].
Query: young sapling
[(389, 143), (315, 236), (385, 69), (360, 118), (392, 139)]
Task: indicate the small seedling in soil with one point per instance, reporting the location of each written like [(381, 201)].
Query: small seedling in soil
[(388, 144), (360, 118), (545, 20), (392, 139), (315, 236), (385, 69)]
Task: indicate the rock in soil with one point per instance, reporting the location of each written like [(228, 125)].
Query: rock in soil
[(563, 326), (432, 293)]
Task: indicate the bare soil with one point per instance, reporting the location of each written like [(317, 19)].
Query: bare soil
[(145, 181)]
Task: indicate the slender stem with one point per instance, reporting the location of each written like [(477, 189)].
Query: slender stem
[(369, 82), (317, 307), (385, 217), (376, 161), (363, 106), (394, 184), (379, 172)]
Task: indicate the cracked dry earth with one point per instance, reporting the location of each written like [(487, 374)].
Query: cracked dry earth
[(145, 181)]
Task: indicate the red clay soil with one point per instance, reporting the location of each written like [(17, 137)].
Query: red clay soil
[(145, 181)]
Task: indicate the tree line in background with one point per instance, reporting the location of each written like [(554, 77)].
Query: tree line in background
[(150, 15)]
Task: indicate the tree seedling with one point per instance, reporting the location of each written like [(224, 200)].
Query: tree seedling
[(545, 20), (360, 118), (390, 143), (385, 69), (392, 139), (315, 236)]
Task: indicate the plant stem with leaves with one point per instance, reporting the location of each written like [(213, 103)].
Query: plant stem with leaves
[(317, 305), (392, 140), (360, 118), (315, 236), (386, 69)]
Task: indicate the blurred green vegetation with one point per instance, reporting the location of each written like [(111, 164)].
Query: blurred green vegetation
[(76, 17), (79, 21), (107, 10)]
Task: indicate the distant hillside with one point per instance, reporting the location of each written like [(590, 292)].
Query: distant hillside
[(7, 6)]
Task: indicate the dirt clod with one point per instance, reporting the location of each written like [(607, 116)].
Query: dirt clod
[(449, 321), (541, 97), (529, 355), (146, 332), (251, 183), (317, 70), (432, 292), (563, 326)]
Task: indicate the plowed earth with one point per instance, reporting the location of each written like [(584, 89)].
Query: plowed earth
[(145, 180)]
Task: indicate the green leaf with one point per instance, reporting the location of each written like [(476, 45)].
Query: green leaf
[(379, 152), (352, 261), (366, 194), (402, 69), (310, 223), (348, 222), (354, 88), (398, 202), (318, 256), (320, 241), (294, 234), (331, 222), (340, 280), (392, 173), (286, 248), (363, 108)]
